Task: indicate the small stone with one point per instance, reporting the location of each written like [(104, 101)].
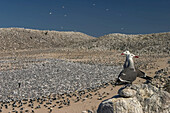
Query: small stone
[(99, 98), (89, 111), (127, 93), (169, 62), (60, 107)]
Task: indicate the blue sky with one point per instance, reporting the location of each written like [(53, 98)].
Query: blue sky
[(93, 17)]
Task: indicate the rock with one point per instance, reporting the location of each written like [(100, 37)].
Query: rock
[(127, 92), (120, 105), (167, 87), (158, 103), (84, 112), (89, 111), (141, 98), (153, 99), (162, 79), (168, 61)]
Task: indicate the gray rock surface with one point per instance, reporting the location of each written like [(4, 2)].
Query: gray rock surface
[(148, 99), (152, 99), (126, 92), (120, 105), (162, 79)]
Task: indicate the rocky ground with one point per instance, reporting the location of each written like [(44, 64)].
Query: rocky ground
[(68, 72), (150, 97), (138, 98), (42, 69)]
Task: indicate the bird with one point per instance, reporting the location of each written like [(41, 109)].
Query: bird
[(19, 84), (140, 73), (129, 73)]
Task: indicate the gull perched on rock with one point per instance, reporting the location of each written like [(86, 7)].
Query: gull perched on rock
[(140, 73), (129, 73)]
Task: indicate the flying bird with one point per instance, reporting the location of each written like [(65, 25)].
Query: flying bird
[(50, 13)]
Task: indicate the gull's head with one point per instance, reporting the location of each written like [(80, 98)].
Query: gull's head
[(125, 52), (132, 55), (129, 54)]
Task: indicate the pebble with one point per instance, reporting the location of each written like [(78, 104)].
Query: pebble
[(60, 107)]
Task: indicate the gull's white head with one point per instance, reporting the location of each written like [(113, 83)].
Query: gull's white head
[(132, 55), (129, 54), (125, 52)]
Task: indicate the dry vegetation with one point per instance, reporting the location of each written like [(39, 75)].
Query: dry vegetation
[(21, 39), (28, 39)]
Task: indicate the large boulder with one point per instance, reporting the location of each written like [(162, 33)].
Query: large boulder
[(119, 104), (141, 98)]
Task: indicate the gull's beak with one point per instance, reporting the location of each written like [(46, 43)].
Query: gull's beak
[(136, 56), (122, 54)]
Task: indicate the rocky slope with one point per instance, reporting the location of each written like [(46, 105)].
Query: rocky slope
[(148, 43), (162, 79), (141, 98), (20, 38), (153, 97)]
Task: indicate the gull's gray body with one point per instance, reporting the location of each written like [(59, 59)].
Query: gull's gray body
[(129, 72)]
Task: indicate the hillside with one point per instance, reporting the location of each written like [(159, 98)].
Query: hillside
[(29, 39), (20, 38), (148, 43)]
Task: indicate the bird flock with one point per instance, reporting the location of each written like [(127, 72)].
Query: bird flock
[(43, 77), (60, 100)]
